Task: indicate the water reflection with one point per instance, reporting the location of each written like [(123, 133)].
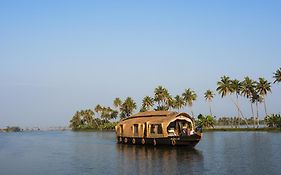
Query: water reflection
[(159, 160)]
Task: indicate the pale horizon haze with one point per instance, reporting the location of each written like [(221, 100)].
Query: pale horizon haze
[(57, 57)]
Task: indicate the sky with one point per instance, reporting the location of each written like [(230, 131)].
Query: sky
[(57, 57)]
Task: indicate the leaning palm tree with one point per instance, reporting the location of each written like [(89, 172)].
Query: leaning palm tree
[(247, 90), (209, 95), (225, 88), (237, 85), (189, 96), (178, 102), (262, 88), (277, 76)]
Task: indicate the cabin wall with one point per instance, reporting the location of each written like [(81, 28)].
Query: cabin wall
[(153, 130), (136, 127)]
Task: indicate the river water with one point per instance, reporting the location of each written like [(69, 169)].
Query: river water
[(67, 153)]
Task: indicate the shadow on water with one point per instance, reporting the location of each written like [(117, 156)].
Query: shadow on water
[(159, 160)]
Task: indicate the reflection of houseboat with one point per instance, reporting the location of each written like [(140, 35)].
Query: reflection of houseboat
[(158, 128)]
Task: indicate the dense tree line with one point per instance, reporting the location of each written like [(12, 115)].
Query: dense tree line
[(254, 91)]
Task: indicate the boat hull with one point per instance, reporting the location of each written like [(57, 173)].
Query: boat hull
[(188, 141)]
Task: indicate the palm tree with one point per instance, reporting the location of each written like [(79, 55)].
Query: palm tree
[(98, 109), (209, 95), (277, 76), (117, 104), (237, 85), (107, 113), (128, 107), (170, 102), (147, 103), (262, 88), (178, 102), (256, 98), (75, 122), (247, 89), (161, 96), (224, 86), (189, 96)]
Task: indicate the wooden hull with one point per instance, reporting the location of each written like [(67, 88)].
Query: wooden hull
[(188, 141)]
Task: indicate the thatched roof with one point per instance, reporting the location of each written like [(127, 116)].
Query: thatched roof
[(153, 116)]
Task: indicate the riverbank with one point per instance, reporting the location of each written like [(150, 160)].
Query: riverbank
[(241, 129)]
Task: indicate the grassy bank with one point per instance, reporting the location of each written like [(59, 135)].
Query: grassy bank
[(241, 129)]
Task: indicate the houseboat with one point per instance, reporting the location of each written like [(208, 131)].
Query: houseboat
[(158, 128)]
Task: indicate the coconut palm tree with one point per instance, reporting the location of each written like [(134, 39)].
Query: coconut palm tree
[(170, 103), (262, 88), (117, 102), (247, 90), (237, 85), (98, 109), (75, 122), (128, 107), (189, 96), (209, 95), (107, 113), (256, 98), (277, 76), (147, 103), (178, 102), (224, 86), (161, 97)]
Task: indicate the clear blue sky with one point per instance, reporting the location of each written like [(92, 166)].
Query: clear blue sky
[(57, 57)]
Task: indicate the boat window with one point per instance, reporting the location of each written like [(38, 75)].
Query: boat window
[(156, 129), (136, 129)]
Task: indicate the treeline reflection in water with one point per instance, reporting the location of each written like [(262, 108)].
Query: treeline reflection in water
[(159, 160)]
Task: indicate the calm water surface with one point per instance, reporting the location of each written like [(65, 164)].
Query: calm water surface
[(97, 153)]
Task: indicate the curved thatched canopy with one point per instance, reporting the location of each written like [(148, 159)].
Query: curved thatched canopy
[(144, 120)]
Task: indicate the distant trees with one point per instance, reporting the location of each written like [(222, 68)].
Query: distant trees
[(273, 121), (205, 121), (82, 119), (254, 91)]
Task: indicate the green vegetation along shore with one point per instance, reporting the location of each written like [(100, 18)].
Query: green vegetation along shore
[(11, 129), (105, 118)]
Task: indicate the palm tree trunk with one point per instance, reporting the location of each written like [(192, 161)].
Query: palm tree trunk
[(191, 111), (210, 109), (257, 106), (253, 113), (240, 112), (264, 106)]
